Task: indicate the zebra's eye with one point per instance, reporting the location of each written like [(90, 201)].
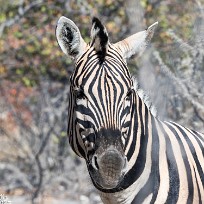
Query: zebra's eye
[(129, 93), (79, 94)]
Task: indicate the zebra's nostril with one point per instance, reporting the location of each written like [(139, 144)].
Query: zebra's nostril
[(95, 163)]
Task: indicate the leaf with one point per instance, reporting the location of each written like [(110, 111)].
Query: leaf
[(18, 34), (26, 81)]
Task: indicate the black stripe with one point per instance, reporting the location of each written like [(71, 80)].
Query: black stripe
[(192, 148), (92, 84), (70, 112), (122, 75), (115, 52), (86, 112), (133, 124), (80, 150), (99, 88), (139, 165), (81, 58), (174, 182), (197, 135), (93, 65), (108, 102), (85, 124), (198, 141), (187, 167), (154, 179), (120, 59), (137, 116), (111, 79), (152, 185), (199, 194), (89, 60)]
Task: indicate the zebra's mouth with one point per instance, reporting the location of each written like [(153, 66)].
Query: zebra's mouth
[(108, 185)]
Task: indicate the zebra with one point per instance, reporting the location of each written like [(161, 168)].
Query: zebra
[(131, 155)]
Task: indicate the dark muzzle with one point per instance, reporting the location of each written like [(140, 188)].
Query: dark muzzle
[(109, 168)]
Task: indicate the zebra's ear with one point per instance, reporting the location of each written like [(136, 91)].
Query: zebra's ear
[(136, 43), (69, 38)]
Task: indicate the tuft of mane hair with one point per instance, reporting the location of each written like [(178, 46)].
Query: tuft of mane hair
[(144, 97), (99, 37)]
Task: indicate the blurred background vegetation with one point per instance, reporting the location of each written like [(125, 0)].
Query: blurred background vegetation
[(36, 163)]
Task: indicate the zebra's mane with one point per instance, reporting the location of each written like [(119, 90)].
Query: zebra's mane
[(99, 37), (145, 98)]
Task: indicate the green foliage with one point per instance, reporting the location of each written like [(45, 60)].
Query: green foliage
[(144, 3), (18, 34), (2, 17)]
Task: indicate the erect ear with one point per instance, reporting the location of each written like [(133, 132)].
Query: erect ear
[(136, 43), (69, 38)]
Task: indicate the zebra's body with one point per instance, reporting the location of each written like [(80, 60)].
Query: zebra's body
[(131, 155)]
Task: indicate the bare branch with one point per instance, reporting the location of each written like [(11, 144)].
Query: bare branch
[(181, 87), (184, 45), (17, 173)]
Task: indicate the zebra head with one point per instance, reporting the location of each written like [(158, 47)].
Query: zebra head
[(102, 99)]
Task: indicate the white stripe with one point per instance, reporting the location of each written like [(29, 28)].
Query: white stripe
[(163, 169), (183, 189)]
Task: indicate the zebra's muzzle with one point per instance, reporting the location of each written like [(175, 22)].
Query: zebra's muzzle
[(108, 168)]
